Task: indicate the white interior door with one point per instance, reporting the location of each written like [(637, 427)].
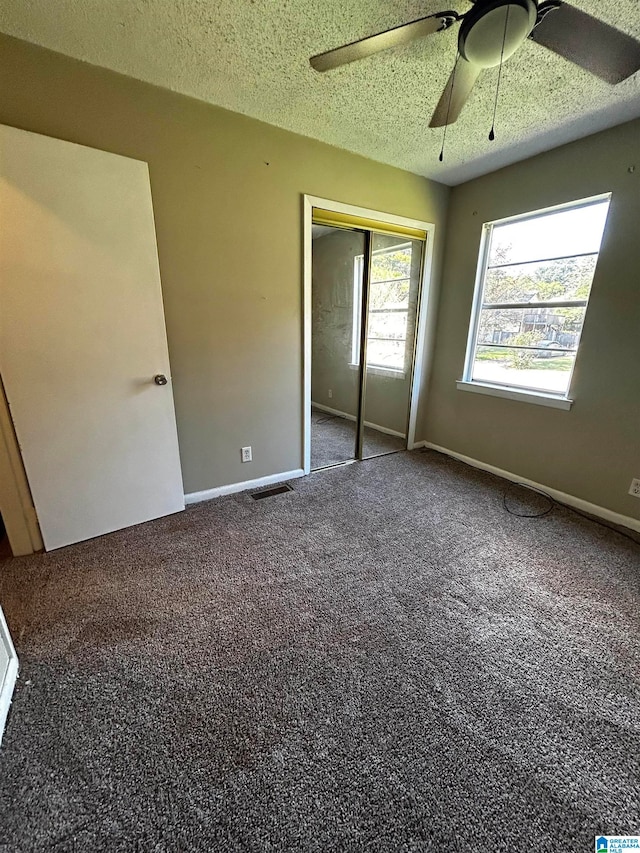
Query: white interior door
[(82, 336)]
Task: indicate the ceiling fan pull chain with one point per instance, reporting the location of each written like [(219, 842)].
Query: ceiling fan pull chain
[(492, 134), (453, 80)]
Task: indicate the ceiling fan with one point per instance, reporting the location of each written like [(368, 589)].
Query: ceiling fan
[(492, 31)]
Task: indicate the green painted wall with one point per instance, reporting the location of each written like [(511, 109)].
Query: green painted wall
[(227, 194), (593, 450)]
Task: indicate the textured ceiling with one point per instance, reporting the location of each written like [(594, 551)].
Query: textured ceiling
[(252, 56)]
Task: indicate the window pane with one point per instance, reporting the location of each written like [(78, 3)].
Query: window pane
[(538, 370), (391, 263), (565, 232), (545, 328), (391, 294), (388, 325), (386, 354), (551, 281)]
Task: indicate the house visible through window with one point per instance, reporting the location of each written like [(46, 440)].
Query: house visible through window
[(534, 279), (389, 289)]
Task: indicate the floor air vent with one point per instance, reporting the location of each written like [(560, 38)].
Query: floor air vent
[(269, 493)]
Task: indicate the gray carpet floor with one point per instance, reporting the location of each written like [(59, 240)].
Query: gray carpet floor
[(333, 440), (381, 660)]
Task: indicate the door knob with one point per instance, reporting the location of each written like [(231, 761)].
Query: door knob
[(160, 379)]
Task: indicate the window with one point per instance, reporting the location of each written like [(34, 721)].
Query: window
[(389, 289), (534, 278)]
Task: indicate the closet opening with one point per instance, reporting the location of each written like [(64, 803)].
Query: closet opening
[(366, 292)]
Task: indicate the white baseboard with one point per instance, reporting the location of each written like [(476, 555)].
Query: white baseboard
[(331, 411), (385, 430), (561, 497), (232, 488), (349, 417), (11, 674)]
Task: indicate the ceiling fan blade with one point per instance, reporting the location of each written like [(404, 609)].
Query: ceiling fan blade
[(383, 41), (462, 79), (589, 43)]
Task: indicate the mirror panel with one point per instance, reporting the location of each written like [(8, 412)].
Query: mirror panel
[(337, 270), (392, 313)]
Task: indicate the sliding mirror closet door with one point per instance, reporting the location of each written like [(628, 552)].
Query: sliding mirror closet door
[(336, 287), (394, 287)]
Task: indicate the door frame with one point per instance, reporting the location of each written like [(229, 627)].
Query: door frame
[(423, 348), (16, 504)]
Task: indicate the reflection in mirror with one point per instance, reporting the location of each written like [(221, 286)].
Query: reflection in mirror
[(336, 283), (393, 303)]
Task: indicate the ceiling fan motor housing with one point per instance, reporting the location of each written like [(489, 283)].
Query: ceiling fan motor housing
[(483, 34)]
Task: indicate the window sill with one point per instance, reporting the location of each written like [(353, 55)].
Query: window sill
[(538, 398), (381, 371)]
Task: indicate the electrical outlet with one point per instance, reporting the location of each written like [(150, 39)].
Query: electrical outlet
[(330, 393), (635, 487), (246, 454)]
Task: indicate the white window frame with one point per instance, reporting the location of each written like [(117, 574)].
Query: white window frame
[(358, 271), (515, 392)]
